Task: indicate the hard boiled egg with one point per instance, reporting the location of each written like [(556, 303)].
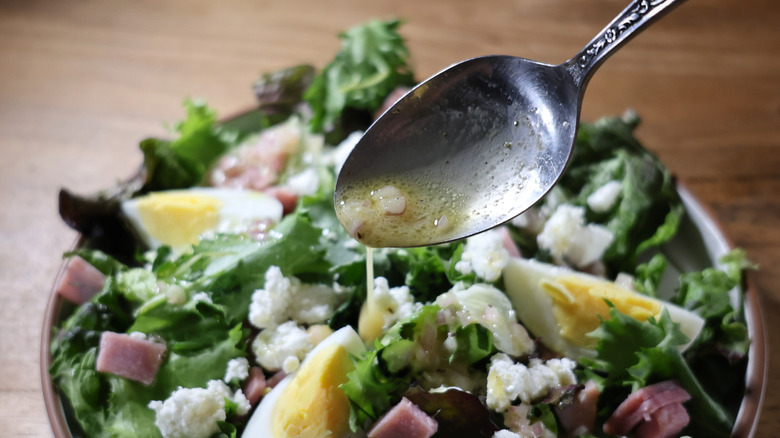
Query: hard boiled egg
[(179, 218), (561, 306), (309, 402)]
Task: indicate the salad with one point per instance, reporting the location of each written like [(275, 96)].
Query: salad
[(216, 294)]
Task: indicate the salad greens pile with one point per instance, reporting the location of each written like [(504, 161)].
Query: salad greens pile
[(309, 243)]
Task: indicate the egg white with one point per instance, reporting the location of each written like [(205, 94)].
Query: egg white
[(238, 211), (260, 425), (534, 307)]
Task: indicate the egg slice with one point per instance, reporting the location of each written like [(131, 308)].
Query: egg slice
[(309, 402), (179, 218), (561, 306)]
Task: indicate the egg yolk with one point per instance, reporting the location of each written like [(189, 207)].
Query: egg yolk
[(178, 219), (578, 304), (313, 405)]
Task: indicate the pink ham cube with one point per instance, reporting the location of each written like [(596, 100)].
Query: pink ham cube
[(130, 357), (404, 420), (80, 281)]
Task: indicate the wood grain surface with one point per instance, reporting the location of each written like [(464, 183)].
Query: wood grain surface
[(82, 81)]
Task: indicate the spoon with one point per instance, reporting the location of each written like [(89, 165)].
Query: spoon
[(475, 145)]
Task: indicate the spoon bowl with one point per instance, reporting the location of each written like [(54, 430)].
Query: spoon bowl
[(475, 145)]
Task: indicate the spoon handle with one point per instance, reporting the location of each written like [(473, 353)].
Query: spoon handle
[(634, 19)]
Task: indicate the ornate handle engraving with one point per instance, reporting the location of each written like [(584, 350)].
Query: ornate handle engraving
[(630, 22)]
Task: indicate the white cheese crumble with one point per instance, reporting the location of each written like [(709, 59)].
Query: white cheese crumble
[(535, 217), (194, 412), (237, 369), (485, 255), (269, 305), (312, 303), (202, 297), (570, 239), (273, 347), (397, 301), (605, 196), (284, 298), (508, 381), (505, 433), (243, 406), (305, 182)]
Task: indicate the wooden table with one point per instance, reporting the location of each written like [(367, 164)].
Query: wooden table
[(81, 82)]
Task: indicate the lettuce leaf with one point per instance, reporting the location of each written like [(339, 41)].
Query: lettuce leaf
[(280, 93), (632, 354), (372, 61), (708, 294), (108, 405), (648, 210), (183, 161), (412, 346)]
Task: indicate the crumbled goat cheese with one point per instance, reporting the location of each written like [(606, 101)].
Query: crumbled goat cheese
[(273, 346), (202, 297), (243, 406), (313, 303), (284, 298), (505, 433), (398, 301), (304, 183), (237, 369), (194, 412), (508, 381), (269, 305), (569, 239), (605, 196), (485, 255), (534, 218)]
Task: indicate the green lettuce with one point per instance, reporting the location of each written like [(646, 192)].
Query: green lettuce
[(108, 405), (183, 161), (648, 211), (372, 61), (413, 345), (632, 354)]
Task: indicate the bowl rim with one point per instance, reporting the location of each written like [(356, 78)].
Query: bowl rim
[(749, 413), (51, 398), (745, 424)]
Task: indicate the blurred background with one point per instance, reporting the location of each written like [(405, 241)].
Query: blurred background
[(83, 81)]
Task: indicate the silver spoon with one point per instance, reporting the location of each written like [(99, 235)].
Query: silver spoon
[(475, 145)]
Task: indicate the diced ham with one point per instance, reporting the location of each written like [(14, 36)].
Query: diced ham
[(257, 165), (275, 379), (286, 196), (578, 417), (666, 422), (130, 357), (255, 385), (508, 243), (404, 420), (80, 281), (391, 99), (646, 405)]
